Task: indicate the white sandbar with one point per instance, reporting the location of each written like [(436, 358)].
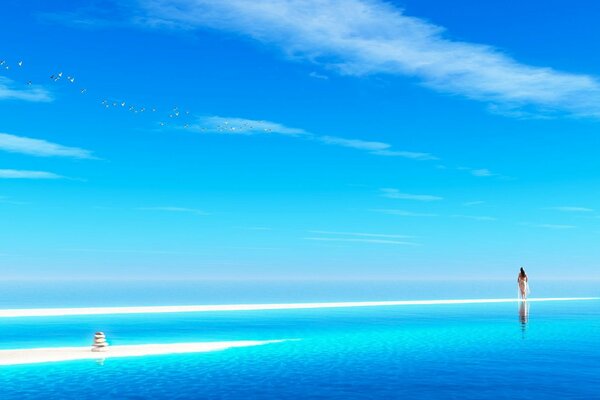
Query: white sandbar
[(54, 354), (54, 312)]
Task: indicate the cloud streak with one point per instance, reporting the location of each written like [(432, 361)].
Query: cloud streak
[(364, 37), (6, 200), (25, 174), (482, 172), (175, 210), (405, 154), (403, 213), (550, 226), (357, 240), (396, 194), (233, 125), (475, 217), (10, 91), (40, 148), (243, 126), (571, 209), (353, 143), (373, 235)]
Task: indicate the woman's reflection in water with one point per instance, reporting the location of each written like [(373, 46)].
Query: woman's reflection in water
[(523, 316)]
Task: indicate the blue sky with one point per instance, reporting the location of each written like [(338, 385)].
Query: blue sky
[(299, 139)]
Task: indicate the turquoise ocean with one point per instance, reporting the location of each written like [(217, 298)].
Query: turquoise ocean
[(544, 350)]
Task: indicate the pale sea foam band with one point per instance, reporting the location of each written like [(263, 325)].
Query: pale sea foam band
[(55, 312), (55, 354)]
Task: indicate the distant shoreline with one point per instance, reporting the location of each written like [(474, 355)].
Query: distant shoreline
[(56, 312)]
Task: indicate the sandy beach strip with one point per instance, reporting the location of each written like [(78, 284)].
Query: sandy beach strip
[(55, 312), (55, 354)]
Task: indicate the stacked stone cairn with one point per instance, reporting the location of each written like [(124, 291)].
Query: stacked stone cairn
[(100, 343)]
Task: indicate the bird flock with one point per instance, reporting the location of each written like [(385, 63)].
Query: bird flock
[(59, 77), (174, 116)]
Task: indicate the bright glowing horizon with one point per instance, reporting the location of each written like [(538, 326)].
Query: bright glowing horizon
[(60, 312)]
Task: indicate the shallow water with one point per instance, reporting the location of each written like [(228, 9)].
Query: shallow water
[(438, 351)]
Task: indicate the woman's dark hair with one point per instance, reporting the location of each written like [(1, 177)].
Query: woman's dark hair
[(522, 272)]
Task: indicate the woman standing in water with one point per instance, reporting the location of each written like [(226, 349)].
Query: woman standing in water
[(522, 280)]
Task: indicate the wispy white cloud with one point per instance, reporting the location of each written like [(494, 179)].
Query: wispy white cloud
[(316, 75), (473, 203), (91, 15), (243, 126), (555, 226), (482, 172), (406, 154), (374, 235), (353, 143), (571, 209), (127, 251), (362, 37), (7, 200), (396, 194), (217, 124), (38, 147), (175, 209), (357, 240), (9, 90), (475, 217), (25, 174), (403, 213), (549, 226)]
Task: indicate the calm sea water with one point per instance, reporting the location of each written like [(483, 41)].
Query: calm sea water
[(498, 351)]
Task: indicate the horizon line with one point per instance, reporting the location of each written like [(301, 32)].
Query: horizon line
[(72, 311)]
